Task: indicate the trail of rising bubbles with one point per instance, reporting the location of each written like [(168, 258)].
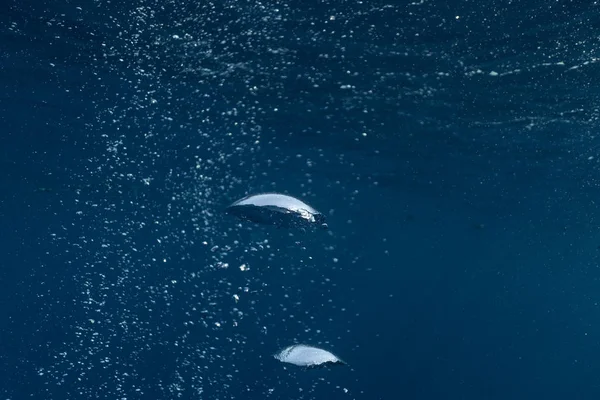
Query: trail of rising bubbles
[(154, 301), (169, 293)]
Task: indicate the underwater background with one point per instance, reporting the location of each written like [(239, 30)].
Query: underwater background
[(453, 147)]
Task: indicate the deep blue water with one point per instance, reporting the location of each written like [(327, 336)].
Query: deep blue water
[(453, 146)]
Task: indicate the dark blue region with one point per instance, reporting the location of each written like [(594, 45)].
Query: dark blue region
[(470, 270)]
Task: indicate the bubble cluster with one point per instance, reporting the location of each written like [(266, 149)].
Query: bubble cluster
[(172, 299)]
